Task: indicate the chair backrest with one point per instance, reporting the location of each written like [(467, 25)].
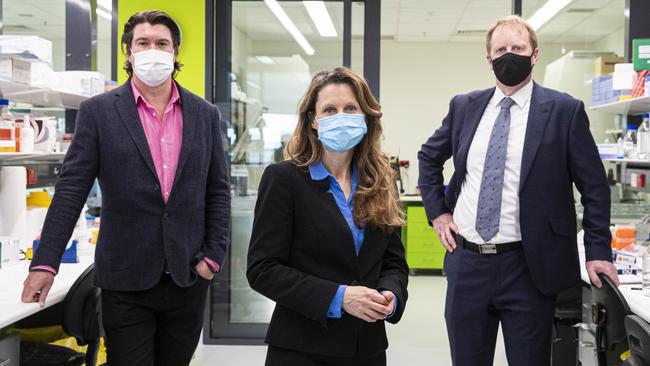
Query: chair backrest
[(609, 298), (638, 336), (81, 309)]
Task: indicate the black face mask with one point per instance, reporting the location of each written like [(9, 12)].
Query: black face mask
[(511, 69)]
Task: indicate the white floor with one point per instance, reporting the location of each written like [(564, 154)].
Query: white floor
[(419, 339)]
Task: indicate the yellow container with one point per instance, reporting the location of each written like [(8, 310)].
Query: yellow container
[(39, 199), (94, 234)]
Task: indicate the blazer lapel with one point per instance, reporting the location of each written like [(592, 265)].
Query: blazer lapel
[(540, 111), (190, 117), (128, 111), (475, 109)]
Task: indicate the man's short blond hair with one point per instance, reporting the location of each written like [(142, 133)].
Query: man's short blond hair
[(512, 20)]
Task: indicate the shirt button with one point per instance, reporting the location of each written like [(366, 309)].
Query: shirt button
[(164, 166), (163, 140)]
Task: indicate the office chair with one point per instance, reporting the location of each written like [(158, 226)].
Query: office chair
[(568, 313), (638, 336), (81, 314), (608, 312)]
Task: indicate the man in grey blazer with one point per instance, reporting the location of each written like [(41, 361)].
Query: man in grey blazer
[(157, 151)]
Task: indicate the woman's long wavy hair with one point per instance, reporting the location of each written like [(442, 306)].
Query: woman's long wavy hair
[(375, 201)]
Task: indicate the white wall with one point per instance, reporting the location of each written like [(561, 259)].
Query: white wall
[(417, 82), (615, 42)]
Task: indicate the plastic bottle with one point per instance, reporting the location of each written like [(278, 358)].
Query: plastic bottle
[(7, 128), (27, 136), (646, 272), (629, 142), (643, 138), (620, 149)]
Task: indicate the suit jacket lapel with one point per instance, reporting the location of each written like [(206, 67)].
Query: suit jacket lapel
[(128, 111), (475, 109), (190, 116), (540, 111)]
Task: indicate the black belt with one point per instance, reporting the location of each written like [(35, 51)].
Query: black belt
[(487, 248)]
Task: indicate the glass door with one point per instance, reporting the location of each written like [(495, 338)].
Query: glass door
[(266, 53)]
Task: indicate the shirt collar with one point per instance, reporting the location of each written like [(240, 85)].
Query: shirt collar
[(318, 171), (521, 97), (175, 98)]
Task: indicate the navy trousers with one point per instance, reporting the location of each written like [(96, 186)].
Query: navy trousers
[(485, 290)]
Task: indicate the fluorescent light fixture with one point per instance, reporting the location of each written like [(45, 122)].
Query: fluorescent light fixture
[(289, 26), (106, 4), (266, 60), (103, 13), (321, 18), (546, 12)]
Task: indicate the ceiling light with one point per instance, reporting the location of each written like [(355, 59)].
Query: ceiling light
[(103, 13), (266, 60), (546, 12), (321, 18), (289, 25)]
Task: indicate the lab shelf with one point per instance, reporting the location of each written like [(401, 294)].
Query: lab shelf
[(39, 96), (634, 106), (19, 157), (634, 162)]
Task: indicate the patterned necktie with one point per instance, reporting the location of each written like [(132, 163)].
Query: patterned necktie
[(489, 199)]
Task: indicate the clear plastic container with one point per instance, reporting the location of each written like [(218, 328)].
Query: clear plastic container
[(643, 138), (646, 271), (629, 142), (7, 128)]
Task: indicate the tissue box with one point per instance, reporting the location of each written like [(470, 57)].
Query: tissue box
[(69, 256), (88, 83), (32, 47)]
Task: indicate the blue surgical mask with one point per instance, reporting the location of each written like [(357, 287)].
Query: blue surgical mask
[(341, 132)]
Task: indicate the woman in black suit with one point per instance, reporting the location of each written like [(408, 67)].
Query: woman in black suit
[(324, 245)]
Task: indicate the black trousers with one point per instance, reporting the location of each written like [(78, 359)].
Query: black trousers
[(485, 290), (160, 326), (276, 356)]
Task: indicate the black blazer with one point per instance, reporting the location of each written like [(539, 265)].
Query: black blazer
[(559, 151), (301, 250), (140, 233)]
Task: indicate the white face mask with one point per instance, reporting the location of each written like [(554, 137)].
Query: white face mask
[(153, 67)]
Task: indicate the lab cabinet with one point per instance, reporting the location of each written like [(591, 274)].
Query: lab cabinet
[(423, 247)]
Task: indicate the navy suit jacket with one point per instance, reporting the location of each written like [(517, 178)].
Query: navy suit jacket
[(141, 236), (559, 151)]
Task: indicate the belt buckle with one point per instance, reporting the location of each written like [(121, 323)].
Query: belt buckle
[(487, 249)]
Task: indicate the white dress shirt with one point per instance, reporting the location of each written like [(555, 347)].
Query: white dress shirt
[(466, 207)]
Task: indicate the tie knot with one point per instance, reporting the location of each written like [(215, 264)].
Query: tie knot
[(506, 103)]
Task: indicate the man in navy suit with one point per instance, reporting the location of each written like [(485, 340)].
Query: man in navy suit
[(157, 151), (508, 217)]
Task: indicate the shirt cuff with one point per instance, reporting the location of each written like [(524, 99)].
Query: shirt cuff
[(336, 306), (44, 268), (215, 267)]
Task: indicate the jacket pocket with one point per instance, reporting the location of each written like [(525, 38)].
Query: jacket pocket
[(563, 228)]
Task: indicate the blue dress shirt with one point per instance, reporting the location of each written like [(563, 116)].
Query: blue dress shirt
[(318, 171)]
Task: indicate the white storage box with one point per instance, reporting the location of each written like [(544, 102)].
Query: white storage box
[(88, 83), (26, 47), (33, 73)]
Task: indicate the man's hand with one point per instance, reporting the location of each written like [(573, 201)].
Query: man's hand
[(204, 271), (37, 286), (605, 267), (366, 304), (446, 229)]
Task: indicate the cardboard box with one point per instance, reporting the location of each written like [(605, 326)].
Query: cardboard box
[(604, 65), (88, 83), (6, 69), (32, 73), (641, 54)]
